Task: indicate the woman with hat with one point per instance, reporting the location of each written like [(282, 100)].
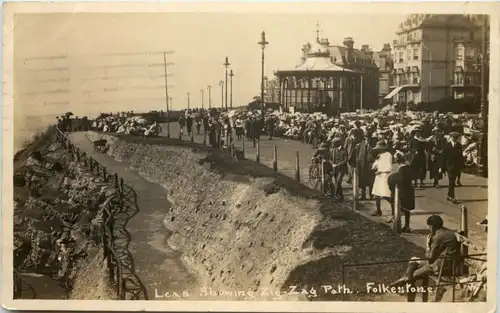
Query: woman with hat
[(382, 167), (436, 155), (406, 195)]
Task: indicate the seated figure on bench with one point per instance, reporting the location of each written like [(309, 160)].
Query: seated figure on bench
[(441, 242)]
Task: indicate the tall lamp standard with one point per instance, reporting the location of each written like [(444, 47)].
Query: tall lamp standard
[(202, 106), (209, 88), (221, 84), (482, 64), (263, 44), (226, 64), (231, 75), (188, 95)]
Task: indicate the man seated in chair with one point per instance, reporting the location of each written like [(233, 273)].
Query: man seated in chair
[(442, 249)]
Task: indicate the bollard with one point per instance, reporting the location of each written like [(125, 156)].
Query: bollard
[(168, 130), (192, 136), (180, 134), (275, 158), (464, 230), (355, 188), (397, 211), (243, 147), (297, 167), (322, 172), (204, 140), (257, 153)]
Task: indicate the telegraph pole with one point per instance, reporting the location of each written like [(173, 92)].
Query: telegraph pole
[(226, 64), (167, 98), (209, 88)]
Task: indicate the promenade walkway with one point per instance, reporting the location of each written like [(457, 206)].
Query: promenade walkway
[(473, 193), (158, 266)]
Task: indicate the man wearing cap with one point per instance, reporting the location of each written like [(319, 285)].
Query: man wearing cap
[(452, 163), (442, 247)]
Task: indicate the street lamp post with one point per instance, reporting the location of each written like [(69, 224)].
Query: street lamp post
[(221, 84), (231, 75), (263, 44), (482, 155), (188, 95), (202, 106), (209, 88), (226, 64)]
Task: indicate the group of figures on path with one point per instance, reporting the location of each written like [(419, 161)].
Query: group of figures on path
[(381, 165)]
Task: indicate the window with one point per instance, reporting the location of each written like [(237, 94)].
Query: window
[(470, 52), (408, 52), (460, 53), (400, 57), (415, 54)]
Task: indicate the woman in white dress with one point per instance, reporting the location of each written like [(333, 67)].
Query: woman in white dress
[(382, 168)]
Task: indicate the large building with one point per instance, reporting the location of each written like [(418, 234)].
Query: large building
[(436, 56), (329, 78), (383, 60)]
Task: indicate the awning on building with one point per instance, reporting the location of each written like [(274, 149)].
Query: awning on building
[(394, 92)]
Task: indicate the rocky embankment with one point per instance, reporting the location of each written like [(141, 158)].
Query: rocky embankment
[(243, 228), (58, 223)]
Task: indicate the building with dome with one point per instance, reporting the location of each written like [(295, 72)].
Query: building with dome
[(330, 79)]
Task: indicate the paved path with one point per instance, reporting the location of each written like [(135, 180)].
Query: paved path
[(157, 265), (473, 193)]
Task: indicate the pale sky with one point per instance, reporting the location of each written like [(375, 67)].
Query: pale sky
[(201, 42)]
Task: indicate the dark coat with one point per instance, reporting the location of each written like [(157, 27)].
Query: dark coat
[(339, 158), (364, 163), (403, 179), (453, 159), (256, 128), (350, 146)]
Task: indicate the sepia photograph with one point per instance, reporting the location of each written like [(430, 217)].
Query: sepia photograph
[(250, 157)]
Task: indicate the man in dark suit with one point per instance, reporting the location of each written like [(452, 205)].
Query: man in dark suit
[(364, 161), (339, 160), (452, 163)]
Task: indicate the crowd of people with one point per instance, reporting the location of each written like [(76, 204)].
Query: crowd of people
[(126, 123), (385, 147)]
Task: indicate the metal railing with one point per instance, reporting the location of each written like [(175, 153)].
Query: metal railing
[(115, 238)]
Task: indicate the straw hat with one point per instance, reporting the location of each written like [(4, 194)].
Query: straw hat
[(381, 146), (323, 146)]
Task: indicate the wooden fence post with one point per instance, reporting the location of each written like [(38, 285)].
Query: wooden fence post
[(297, 167), (180, 133), (257, 154), (117, 183), (464, 229), (204, 139), (322, 172), (275, 158), (243, 147), (397, 211), (104, 174), (355, 188), (97, 167), (168, 129)]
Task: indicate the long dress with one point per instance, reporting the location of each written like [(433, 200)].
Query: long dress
[(383, 166)]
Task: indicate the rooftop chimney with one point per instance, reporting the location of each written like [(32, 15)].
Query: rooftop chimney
[(365, 48), (349, 45)]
